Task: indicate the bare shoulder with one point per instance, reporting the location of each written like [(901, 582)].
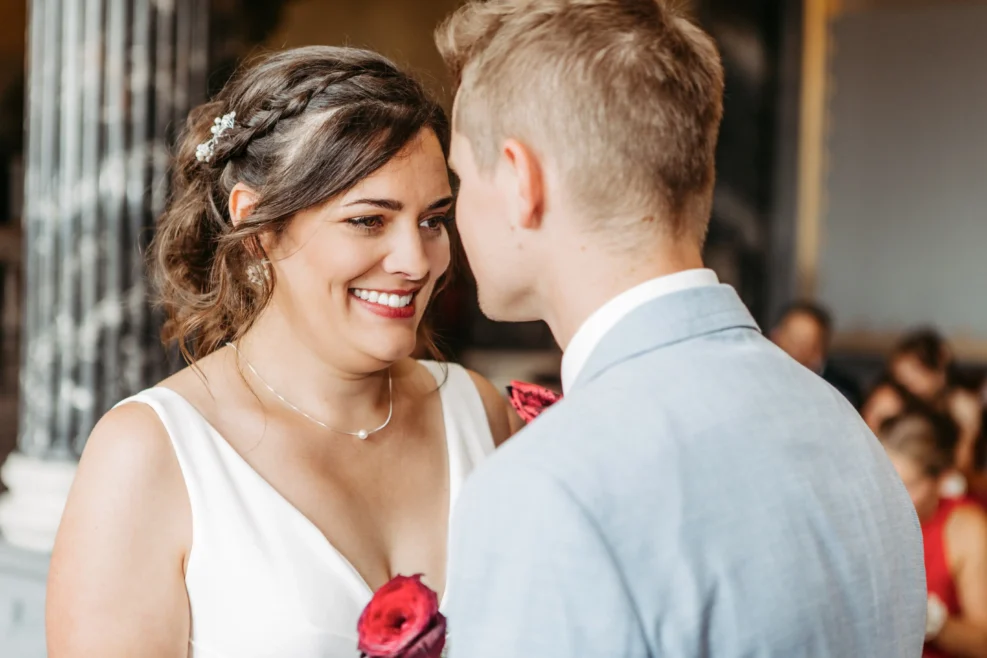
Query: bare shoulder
[(966, 533), (128, 473), (504, 422), (969, 520), (118, 558), (200, 383), (129, 435)]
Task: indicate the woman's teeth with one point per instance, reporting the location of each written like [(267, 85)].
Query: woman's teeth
[(383, 298)]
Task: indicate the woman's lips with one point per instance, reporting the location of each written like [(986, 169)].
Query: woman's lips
[(393, 304)]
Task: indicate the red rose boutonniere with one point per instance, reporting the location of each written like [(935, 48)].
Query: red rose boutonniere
[(402, 620), (530, 400)]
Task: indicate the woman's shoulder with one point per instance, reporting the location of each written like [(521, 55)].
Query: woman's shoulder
[(202, 386), (966, 528), (502, 419), (127, 519), (131, 450), (128, 480), (498, 410), (131, 433), (131, 442), (968, 512)]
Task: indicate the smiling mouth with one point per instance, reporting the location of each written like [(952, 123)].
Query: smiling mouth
[(384, 299)]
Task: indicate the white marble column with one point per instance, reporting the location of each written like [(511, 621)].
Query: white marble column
[(109, 84)]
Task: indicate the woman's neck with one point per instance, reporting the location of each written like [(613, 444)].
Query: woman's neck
[(274, 357)]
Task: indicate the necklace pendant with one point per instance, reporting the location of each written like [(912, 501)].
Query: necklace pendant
[(362, 435)]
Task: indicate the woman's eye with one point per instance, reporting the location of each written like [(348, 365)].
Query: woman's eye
[(436, 223), (367, 223)]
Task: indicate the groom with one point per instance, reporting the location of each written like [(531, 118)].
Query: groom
[(697, 492)]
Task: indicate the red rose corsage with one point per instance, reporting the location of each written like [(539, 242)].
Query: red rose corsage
[(530, 400), (402, 620)]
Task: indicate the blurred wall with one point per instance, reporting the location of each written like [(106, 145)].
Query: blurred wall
[(903, 227), (400, 29)]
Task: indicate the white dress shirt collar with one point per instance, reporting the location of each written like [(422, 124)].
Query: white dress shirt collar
[(607, 316)]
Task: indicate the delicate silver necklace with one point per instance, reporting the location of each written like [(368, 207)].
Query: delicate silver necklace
[(361, 434)]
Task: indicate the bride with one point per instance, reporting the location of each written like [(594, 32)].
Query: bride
[(248, 506)]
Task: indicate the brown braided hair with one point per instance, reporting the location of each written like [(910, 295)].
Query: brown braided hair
[(310, 124)]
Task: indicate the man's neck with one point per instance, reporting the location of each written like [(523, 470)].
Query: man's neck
[(583, 280)]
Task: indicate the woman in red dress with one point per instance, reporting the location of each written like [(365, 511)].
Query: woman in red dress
[(922, 447)]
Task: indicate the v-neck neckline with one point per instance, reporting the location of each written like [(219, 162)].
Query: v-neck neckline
[(361, 583)]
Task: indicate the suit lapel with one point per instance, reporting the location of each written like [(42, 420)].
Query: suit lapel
[(665, 321)]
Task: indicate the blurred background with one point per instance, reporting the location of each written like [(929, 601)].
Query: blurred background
[(852, 183)]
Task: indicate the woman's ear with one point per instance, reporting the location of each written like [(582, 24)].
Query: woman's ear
[(242, 203), (243, 200)]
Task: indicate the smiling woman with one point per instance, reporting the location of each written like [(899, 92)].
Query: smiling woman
[(385, 234), (296, 146), (251, 504)]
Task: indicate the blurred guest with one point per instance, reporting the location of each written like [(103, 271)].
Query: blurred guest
[(889, 399), (886, 400), (922, 363), (804, 332), (921, 447)]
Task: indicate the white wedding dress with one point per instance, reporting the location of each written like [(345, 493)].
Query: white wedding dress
[(263, 581)]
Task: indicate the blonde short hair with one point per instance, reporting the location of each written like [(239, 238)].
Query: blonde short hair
[(623, 96)]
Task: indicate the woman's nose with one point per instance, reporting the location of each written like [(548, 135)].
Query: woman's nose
[(407, 256)]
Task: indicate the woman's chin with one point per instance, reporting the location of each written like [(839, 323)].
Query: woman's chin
[(392, 351)]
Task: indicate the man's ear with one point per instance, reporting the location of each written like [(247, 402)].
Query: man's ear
[(529, 178), (242, 203)]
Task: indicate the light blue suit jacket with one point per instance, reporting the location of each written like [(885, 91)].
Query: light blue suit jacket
[(696, 494)]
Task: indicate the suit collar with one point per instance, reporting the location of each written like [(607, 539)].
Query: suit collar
[(599, 324), (665, 321)]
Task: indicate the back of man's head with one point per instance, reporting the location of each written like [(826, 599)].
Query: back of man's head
[(623, 98)]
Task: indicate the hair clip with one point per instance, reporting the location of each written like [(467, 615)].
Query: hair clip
[(205, 150)]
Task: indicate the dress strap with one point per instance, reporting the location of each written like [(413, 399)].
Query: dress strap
[(200, 459), (463, 410)]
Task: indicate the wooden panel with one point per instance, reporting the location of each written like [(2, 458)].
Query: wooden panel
[(851, 6), (812, 134)]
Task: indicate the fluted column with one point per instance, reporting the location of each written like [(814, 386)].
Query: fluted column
[(109, 84)]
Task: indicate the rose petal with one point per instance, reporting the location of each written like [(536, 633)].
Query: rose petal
[(430, 644)]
